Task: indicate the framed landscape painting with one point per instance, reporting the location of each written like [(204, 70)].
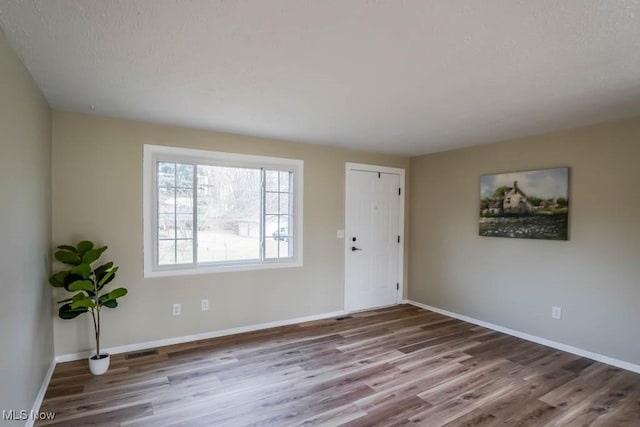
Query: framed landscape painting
[(525, 205)]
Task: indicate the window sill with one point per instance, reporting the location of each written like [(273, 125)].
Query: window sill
[(190, 271)]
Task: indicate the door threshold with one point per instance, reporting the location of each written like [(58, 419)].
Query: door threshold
[(378, 307)]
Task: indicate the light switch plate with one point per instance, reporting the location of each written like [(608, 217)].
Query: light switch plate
[(340, 234)]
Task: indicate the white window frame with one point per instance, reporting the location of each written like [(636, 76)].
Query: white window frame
[(152, 154)]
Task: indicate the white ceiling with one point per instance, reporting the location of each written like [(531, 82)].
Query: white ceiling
[(406, 77)]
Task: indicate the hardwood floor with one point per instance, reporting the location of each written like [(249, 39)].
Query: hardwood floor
[(395, 366)]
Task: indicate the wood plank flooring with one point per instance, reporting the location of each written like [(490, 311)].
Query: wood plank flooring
[(392, 367)]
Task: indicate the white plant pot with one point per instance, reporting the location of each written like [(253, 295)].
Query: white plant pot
[(99, 366)]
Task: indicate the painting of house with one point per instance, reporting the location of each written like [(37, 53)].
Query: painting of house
[(530, 205), (515, 201)]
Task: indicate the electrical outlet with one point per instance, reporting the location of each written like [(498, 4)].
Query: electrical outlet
[(176, 309), (556, 312), (205, 305)]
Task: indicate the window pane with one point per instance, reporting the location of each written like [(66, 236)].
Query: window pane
[(166, 252), (270, 248), (271, 180), (184, 251), (286, 245), (228, 213), (166, 226), (184, 200), (166, 174), (271, 225), (284, 203), (277, 236), (184, 226), (271, 203), (284, 224), (166, 200), (283, 248), (175, 213), (184, 175), (271, 236), (284, 181)]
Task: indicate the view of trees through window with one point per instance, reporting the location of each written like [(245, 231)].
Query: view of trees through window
[(213, 214), (278, 220)]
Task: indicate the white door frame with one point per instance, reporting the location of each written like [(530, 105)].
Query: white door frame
[(347, 243)]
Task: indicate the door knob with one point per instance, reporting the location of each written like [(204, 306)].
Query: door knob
[(353, 249)]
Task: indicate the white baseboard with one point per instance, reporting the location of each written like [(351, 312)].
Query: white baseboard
[(553, 344), (40, 396), (206, 335)]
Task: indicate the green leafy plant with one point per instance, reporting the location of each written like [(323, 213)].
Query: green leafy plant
[(88, 283)]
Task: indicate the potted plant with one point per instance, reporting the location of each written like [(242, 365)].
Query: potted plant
[(87, 282)]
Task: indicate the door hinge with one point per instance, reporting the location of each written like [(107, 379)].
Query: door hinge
[(398, 239), (399, 191), (397, 286)]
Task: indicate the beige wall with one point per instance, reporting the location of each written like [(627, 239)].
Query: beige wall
[(594, 277), (97, 188), (26, 331)]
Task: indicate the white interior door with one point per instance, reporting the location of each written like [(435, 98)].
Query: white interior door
[(373, 237)]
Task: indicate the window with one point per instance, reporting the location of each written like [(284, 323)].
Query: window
[(207, 211)]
